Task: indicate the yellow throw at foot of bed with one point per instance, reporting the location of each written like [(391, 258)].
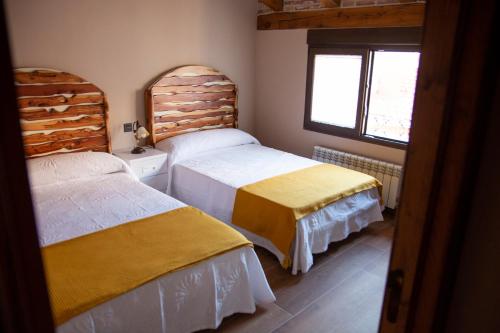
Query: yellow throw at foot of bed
[(271, 208), (89, 270)]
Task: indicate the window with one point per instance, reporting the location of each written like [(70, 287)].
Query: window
[(361, 83), (392, 88), (341, 87)]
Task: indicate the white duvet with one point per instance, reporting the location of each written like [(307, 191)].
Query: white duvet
[(190, 299), (207, 168)]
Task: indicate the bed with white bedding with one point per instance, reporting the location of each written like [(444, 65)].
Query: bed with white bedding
[(207, 168), (82, 193), (192, 114)]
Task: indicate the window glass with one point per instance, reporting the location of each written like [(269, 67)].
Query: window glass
[(392, 92), (336, 89)]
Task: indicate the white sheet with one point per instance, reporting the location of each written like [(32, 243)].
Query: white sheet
[(182, 146), (78, 207), (197, 297), (61, 168), (209, 181)]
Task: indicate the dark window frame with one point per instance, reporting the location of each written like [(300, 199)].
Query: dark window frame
[(356, 41), (322, 127)]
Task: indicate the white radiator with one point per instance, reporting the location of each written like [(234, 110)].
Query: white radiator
[(388, 174)]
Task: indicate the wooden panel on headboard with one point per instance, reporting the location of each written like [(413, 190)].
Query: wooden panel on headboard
[(190, 98), (60, 113)]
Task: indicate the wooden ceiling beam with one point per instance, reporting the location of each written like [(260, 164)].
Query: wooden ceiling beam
[(404, 15), (276, 5)]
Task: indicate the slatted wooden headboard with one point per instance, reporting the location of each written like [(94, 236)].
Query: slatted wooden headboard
[(60, 113), (190, 98)]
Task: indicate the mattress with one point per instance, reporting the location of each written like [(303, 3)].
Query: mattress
[(209, 181), (194, 298)]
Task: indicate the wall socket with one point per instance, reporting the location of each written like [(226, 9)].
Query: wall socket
[(127, 127)]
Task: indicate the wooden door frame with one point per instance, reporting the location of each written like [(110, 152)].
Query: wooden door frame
[(454, 93), (24, 302)]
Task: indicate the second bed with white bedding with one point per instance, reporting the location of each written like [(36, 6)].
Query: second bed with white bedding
[(193, 298), (210, 179)]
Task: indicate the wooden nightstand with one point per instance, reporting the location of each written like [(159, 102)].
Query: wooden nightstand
[(150, 167)]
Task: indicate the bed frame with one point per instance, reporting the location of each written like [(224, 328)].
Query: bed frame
[(190, 98), (60, 113)]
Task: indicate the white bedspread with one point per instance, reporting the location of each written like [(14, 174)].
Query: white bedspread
[(78, 207), (190, 299), (209, 181)]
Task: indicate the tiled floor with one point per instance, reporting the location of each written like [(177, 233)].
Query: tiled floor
[(342, 292)]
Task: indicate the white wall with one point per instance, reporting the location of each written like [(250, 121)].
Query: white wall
[(121, 45), (281, 65)]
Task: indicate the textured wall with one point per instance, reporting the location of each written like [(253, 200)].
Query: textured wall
[(297, 5)]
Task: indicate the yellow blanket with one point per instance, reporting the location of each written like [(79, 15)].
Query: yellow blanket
[(271, 208), (86, 271)]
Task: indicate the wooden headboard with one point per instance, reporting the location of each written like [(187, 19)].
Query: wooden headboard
[(190, 98), (60, 113)]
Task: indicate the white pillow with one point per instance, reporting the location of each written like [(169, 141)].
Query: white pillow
[(191, 144), (63, 167)]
